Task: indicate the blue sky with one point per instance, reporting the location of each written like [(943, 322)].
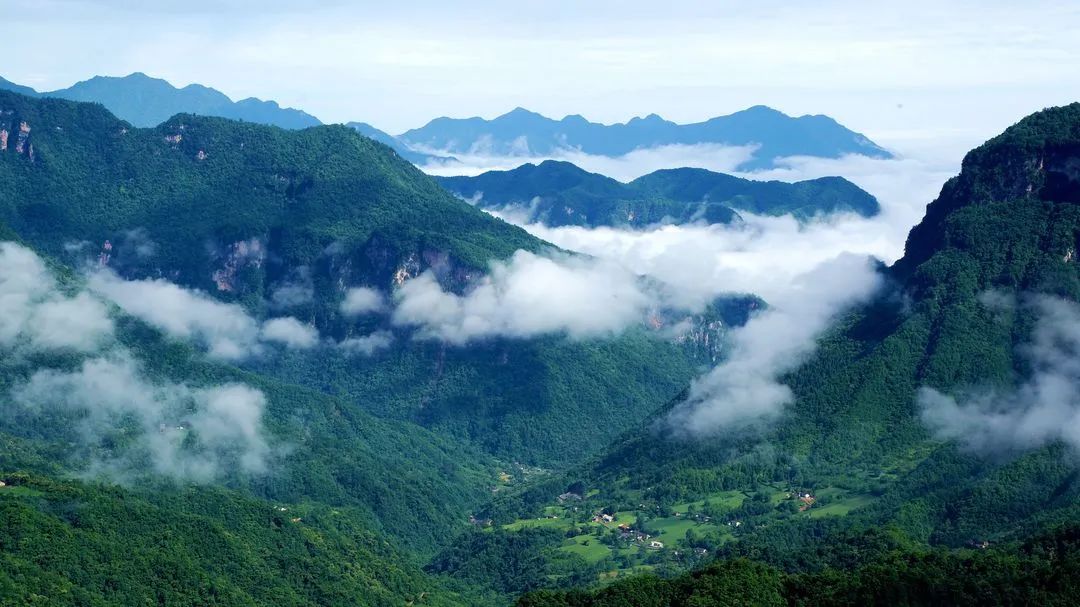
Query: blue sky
[(907, 73)]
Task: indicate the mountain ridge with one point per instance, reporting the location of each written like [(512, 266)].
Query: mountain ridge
[(521, 132), (145, 101), (558, 193)]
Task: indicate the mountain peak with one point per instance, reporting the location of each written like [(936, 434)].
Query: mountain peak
[(761, 110), (650, 119), (520, 112), (1036, 159)]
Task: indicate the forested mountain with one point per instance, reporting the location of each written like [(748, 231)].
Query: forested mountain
[(256, 263), (144, 101), (188, 385), (559, 193), (524, 133), (942, 413)]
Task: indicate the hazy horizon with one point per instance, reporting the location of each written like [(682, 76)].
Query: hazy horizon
[(896, 74)]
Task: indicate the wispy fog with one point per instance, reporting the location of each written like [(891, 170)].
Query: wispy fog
[(1043, 409), (126, 423)]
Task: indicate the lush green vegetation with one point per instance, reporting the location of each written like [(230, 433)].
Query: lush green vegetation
[(558, 193), (853, 438), (333, 210), (379, 462), (1040, 572), (70, 543)]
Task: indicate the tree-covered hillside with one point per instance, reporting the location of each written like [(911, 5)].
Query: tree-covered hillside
[(73, 543), (246, 212), (943, 410), (1041, 571), (559, 194)]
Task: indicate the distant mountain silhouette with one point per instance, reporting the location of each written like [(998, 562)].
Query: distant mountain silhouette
[(145, 101), (524, 133)]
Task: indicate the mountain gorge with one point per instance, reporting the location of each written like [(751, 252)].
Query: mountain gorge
[(937, 418)]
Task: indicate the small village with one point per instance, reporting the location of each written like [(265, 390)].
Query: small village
[(648, 536)]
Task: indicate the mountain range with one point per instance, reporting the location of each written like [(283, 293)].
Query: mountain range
[(771, 134), (145, 101), (559, 193)]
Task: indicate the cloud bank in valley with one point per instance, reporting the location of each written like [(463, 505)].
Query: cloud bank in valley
[(745, 389), (781, 260), (366, 345), (290, 332), (1043, 409), (362, 300)]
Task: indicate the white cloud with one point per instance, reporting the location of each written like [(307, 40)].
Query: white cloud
[(368, 344), (763, 255), (226, 330), (745, 390), (290, 332), (185, 433), (1044, 408), (78, 323), (805, 271), (108, 393), (362, 300), (23, 280), (526, 296), (35, 313)]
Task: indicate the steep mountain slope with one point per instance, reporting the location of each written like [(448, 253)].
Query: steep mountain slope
[(523, 133), (265, 493), (206, 185), (943, 411), (251, 214), (144, 101), (559, 193), (1007, 225)]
